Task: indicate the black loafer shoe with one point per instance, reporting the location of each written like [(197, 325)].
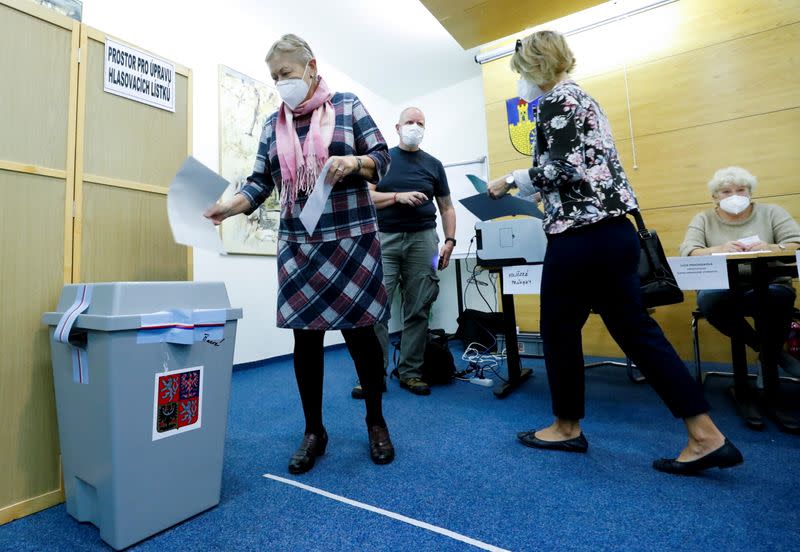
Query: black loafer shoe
[(576, 444), (305, 456), (726, 456), (381, 449)]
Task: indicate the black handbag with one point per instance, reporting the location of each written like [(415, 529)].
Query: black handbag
[(657, 280)]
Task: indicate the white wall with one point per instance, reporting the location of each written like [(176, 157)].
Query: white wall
[(202, 35)]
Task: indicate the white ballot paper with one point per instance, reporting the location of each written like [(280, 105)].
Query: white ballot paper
[(701, 272), (312, 211), (522, 280), (193, 190)]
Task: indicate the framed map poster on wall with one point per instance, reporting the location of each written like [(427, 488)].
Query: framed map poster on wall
[(244, 105)]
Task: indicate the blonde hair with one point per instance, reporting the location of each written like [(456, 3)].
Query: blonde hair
[(292, 45), (542, 56), (732, 175)]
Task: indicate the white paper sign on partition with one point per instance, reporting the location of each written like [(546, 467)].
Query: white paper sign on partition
[(702, 272), (139, 76), (522, 280)]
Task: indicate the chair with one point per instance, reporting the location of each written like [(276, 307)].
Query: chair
[(699, 374), (628, 364)]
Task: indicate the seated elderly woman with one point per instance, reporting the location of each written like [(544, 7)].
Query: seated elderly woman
[(737, 224)]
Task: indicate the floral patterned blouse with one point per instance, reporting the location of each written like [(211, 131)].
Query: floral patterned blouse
[(575, 163)]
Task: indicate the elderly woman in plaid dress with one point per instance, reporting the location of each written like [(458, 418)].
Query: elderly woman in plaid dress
[(333, 278)]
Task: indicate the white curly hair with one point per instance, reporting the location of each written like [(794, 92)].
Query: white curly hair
[(732, 175)]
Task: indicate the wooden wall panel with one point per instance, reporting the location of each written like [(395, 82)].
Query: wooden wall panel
[(126, 237), (740, 78), (31, 246), (129, 140), (675, 167), (35, 65)]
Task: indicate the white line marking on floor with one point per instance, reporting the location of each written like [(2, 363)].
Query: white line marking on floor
[(387, 513)]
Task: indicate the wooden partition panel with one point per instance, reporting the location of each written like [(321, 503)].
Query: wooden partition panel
[(116, 247), (38, 93), (31, 238), (132, 150), (710, 83)]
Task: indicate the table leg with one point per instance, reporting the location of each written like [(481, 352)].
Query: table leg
[(741, 393), (516, 374)]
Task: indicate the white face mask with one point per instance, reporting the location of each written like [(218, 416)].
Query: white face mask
[(528, 90), (411, 135), (734, 204), (293, 91)]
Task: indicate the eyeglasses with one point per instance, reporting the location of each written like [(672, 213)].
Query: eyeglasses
[(518, 47)]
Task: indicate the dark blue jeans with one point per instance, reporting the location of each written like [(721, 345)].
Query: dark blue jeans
[(595, 268), (726, 310)]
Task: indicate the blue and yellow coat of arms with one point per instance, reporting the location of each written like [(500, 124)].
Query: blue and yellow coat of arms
[(522, 124)]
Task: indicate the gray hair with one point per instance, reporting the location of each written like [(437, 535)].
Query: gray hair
[(293, 46), (732, 175)]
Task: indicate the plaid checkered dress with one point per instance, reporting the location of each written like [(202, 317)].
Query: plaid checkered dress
[(332, 279)]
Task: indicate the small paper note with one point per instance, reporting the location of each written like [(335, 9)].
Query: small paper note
[(315, 205), (522, 280)]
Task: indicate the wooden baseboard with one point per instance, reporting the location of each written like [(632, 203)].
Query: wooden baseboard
[(30, 506)]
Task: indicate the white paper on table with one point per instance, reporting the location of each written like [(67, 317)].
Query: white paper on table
[(740, 252), (315, 205), (701, 272), (522, 280), (193, 190), (749, 239)]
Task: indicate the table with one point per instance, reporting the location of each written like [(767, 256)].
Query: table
[(764, 267)]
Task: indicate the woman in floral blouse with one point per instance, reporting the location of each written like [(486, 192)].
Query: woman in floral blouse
[(331, 279), (592, 260)]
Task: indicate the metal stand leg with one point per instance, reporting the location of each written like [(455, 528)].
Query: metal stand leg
[(516, 374)]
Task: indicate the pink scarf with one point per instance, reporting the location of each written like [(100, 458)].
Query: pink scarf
[(300, 165)]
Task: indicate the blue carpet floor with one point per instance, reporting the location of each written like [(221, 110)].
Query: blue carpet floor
[(460, 467)]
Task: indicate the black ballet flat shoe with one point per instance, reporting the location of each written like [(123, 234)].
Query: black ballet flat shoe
[(381, 449), (305, 456), (726, 456), (576, 444)]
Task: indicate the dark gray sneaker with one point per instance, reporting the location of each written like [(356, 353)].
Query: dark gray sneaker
[(416, 386)]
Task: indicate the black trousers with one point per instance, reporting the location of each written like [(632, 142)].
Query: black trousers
[(365, 349), (595, 268)]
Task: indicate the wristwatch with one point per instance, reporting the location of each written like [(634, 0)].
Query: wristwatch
[(450, 240), (510, 181)]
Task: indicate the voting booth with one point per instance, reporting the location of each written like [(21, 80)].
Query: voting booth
[(142, 374)]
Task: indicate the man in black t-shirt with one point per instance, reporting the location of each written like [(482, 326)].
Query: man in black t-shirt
[(404, 199)]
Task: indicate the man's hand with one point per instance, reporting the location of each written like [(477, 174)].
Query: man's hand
[(444, 254), (413, 199)]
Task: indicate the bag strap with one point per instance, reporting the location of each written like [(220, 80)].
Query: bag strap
[(644, 233)]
